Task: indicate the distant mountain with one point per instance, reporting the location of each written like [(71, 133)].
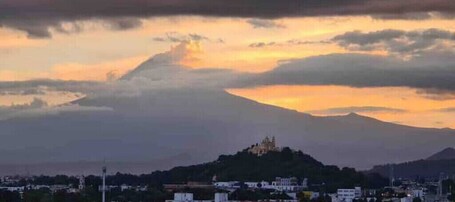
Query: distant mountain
[(245, 166), (157, 112), (447, 153), (440, 162)]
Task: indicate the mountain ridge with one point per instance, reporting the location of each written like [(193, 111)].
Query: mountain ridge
[(431, 167), (160, 112)]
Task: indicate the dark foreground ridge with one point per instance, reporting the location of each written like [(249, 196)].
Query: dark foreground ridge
[(245, 166), (431, 167)]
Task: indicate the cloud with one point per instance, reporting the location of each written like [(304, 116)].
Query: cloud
[(39, 16), (447, 110), (262, 44), (168, 70), (266, 24), (123, 23), (430, 72), (39, 107), (41, 85), (291, 42), (37, 28), (161, 71), (357, 109), (414, 16), (176, 37), (408, 43)]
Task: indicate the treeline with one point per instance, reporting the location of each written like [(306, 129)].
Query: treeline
[(242, 166), (427, 169), (245, 166)]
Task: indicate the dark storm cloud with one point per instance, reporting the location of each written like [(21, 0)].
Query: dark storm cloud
[(357, 109), (397, 41), (414, 16), (435, 72), (123, 23), (39, 16)]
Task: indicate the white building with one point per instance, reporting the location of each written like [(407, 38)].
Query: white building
[(81, 182), (13, 189), (188, 197), (227, 185), (406, 199), (183, 197), (418, 193), (286, 184), (221, 197), (257, 185), (280, 184), (348, 195)]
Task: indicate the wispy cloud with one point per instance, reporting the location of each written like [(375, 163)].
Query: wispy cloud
[(176, 37), (356, 109), (404, 43), (291, 42), (265, 24)]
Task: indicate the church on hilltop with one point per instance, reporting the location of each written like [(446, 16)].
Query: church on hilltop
[(266, 145)]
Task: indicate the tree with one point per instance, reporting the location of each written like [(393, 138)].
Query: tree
[(416, 199)]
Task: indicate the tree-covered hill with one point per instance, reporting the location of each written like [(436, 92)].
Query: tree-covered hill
[(245, 166), (418, 169), (431, 167)]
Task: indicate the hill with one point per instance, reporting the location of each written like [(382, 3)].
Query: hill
[(245, 166), (441, 162), (447, 153)]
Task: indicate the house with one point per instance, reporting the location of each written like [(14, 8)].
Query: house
[(348, 195)]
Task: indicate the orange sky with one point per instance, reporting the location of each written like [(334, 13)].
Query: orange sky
[(96, 52)]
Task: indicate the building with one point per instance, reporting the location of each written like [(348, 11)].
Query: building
[(189, 185), (286, 184), (348, 195), (227, 185), (183, 197), (280, 184), (13, 189), (266, 145), (81, 182), (221, 197), (257, 185), (188, 197)]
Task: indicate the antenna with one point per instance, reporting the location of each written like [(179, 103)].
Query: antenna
[(104, 182), (441, 178), (391, 175)]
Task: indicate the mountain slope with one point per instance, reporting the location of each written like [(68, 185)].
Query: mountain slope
[(447, 153), (163, 111), (432, 167)]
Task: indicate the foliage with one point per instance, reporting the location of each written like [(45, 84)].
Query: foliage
[(245, 166)]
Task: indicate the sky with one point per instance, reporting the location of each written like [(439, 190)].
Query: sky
[(391, 60)]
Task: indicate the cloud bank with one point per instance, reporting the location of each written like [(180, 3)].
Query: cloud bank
[(38, 17), (39, 107), (407, 43)]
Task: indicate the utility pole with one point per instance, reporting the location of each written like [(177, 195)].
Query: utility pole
[(104, 184), (391, 175)]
